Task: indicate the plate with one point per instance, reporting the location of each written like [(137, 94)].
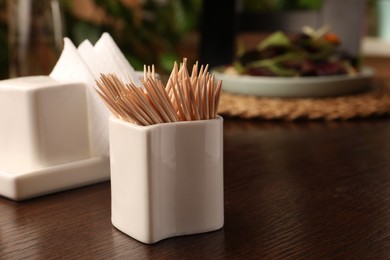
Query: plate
[(322, 86)]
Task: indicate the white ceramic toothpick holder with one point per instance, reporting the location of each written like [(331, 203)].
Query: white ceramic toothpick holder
[(166, 179), (44, 138)]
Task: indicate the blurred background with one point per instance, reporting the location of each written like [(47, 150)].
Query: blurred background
[(147, 31)]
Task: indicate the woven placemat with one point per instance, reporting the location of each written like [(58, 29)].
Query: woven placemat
[(374, 102)]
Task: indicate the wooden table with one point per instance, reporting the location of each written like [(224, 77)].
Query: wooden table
[(304, 190)]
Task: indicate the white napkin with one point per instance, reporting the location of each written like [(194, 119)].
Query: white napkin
[(111, 54), (88, 55), (85, 64), (70, 66)]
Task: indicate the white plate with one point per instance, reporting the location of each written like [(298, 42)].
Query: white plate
[(296, 87)]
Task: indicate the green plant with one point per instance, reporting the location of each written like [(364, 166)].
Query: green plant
[(279, 5), (147, 32)]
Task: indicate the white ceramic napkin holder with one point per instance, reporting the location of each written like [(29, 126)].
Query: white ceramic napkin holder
[(44, 138), (166, 179)]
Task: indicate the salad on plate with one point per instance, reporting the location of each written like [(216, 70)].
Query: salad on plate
[(309, 53)]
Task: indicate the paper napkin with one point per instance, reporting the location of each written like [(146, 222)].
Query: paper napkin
[(85, 64)]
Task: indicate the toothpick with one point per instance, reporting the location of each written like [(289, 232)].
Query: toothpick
[(183, 102), (166, 103), (155, 101), (170, 82), (139, 96), (131, 100), (217, 96), (185, 97), (178, 103)]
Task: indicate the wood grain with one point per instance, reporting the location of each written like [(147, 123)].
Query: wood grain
[(305, 190)]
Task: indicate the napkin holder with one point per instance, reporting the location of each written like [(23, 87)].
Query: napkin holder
[(44, 138), (166, 179)]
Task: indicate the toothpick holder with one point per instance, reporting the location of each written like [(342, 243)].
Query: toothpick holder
[(44, 138), (166, 179)]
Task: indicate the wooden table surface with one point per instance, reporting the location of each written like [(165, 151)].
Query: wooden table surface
[(303, 190)]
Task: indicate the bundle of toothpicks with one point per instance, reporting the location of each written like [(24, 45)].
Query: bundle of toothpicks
[(184, 98)]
